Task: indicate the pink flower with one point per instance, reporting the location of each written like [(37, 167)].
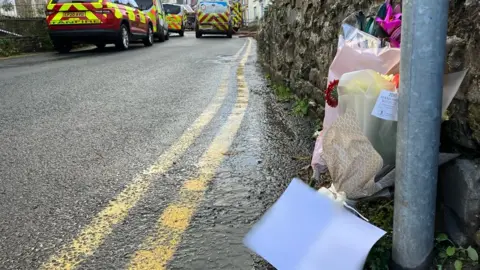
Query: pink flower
[(395, 38), (392, 21)]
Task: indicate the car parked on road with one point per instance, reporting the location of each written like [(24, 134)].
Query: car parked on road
[(176, 18), (156, 12), (213, 17), (97, 22)]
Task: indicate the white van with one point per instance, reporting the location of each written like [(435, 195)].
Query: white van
[(213, 17)]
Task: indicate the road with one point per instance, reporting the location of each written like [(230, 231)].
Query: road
[(152, 158)]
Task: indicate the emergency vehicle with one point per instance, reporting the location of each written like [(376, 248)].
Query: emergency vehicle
[(176, 18), (213, 17), (237, 14), (155, 11), (97, 22)]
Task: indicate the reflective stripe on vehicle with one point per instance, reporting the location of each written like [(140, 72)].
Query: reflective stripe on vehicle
[(219, 20), (237, 14), (88, 13), (74, 13), (174, 21)]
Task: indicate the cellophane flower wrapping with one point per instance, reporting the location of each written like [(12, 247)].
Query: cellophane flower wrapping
[(359, 91), (357, 50)]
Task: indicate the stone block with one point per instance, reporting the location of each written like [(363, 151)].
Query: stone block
[(316, 78), (459, 190)]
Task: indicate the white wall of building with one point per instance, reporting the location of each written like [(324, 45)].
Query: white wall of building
[(255, 9), (13, 8), (8, 8)]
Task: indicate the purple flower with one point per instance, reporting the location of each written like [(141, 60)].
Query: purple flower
[(395, 38), (392, 21)]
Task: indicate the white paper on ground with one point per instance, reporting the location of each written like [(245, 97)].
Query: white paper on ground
[(386, 106), (305, 230)]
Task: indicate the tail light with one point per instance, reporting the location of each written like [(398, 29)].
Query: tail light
[(49, 12)]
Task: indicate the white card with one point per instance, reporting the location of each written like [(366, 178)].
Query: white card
[(305, 230), (387, 106)]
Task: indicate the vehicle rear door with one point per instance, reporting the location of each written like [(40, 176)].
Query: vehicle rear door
[(173, 16), (215, 14), (70, 13)]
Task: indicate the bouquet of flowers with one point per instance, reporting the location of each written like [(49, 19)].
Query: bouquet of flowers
[(357, 50), (358, 140), (359, 91), (385, 26), (374, 99)]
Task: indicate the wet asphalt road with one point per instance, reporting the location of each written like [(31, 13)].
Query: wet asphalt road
[(77, 130)]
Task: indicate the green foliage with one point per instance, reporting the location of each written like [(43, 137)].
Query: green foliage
[(458, 265), (283, 93), (8, 47), (380, 213), (472, 254), (300, 107), (6, 5), (447, 254)]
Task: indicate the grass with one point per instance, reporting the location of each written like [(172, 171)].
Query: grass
[(283, 93), (12, 46), (8, 47), (300, 107), (380, 213)]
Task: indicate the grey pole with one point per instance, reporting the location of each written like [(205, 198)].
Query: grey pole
[(424, 27)]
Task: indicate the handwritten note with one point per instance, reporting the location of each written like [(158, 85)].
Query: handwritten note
[(386, 106)]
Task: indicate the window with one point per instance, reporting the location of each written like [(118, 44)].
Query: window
[(144, 4), (132, 3), (172, 9), (120, 2), (213, 7)]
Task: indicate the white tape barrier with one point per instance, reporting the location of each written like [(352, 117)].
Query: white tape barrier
[(9, 33)]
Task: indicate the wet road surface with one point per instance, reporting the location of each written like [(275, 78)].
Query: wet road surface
[(153, 158)]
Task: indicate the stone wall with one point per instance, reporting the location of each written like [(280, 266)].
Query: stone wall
[(34, 36), (297, 42), (298, 39), (25, 27)]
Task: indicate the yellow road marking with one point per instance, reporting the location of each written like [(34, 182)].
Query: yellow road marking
[(175, 217), (159, 248), (93, 235)]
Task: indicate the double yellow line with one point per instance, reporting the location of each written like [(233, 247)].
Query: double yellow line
[(159, 248)]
